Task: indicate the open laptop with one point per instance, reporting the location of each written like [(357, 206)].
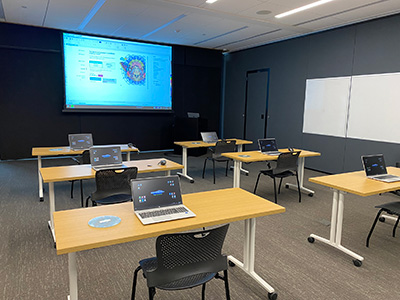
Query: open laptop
[(106, 157), (158, 199), (268, 146), (209, 137), (375, 168), (80, 141)]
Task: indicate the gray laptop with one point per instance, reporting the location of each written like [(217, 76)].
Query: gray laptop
[(80, 141), (209, 137), (375, 168), (106, 157), (268, 146), (158, 199)]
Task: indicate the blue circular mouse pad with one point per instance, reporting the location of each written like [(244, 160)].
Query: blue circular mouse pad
[(104, 221)]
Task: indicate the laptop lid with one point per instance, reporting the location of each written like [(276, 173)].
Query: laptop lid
[(105, 155), (267, 145), (209, 137), (80, 141), (156, 192), (374, 164)]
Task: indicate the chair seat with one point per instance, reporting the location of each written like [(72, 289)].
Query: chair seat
[(110, 197), (392, 208), (280, 175)]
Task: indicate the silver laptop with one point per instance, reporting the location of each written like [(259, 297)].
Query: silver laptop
[(80, 141), (375, 168), (209, 137), (268, 146), (106, 157), (158, 199)]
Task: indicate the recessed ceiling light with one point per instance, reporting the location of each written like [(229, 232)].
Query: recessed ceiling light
[(23, 6), (263, 12), (211, 1), (296, 10)]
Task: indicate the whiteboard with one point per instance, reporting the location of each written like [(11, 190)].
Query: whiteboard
[(326, 106), (374, 112)]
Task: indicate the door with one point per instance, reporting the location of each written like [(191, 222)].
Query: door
[(257, 83)]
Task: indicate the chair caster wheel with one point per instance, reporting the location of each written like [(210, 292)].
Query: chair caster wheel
[(41, 199), (192, 181), (382, 219), (272, 296), (231, 264), (310, 194), (286, 186), (310, 239), (357, 263)]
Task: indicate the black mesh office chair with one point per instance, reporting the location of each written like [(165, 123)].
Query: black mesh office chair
[(391, 208), (113, 186), (286, 165), (220, 147), (185, 260), (81, 160)]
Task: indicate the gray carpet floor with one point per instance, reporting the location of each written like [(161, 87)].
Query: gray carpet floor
[(298, 270)]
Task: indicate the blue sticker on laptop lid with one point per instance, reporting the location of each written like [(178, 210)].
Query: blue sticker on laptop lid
[(104, 221)]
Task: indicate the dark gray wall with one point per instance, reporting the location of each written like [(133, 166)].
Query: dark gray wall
[(366, 48)]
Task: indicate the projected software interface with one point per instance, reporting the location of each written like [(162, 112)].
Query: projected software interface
[(104, 73)]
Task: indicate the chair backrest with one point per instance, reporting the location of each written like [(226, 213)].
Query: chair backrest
[(187, 254), (223, 147), (85, 158), (115, 179), (287, 161)]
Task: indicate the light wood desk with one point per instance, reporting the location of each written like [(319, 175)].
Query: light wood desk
[(211, 208), (58, 151), (76, 172), (355, 183), (255, 156), (201, 144)]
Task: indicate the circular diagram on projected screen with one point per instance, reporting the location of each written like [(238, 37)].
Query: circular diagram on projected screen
[(134, 69)]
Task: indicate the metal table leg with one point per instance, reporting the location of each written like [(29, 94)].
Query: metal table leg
[(184, 163), (335, 238), (300, 172), (249, 257), (40, 179)]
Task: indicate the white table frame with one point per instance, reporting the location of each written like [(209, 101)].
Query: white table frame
[(335, 237), (40, 179), (184, 172)]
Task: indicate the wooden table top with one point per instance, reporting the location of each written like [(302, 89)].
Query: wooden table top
[(76, 172), (53, 151), (254, 156), (357, 183), (211, 208), (200, 144)]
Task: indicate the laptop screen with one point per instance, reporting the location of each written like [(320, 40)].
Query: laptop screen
[(80, 140), (209, 136), (266, 145), (156, 192), (374, 164), (107, 155)]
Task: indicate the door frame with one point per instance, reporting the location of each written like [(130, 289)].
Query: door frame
[(268, 70)]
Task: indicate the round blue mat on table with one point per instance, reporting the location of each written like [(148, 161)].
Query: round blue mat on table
[(104, 221)]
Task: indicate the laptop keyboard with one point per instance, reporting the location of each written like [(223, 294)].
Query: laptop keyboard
[(386, 176), (162, 212)]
